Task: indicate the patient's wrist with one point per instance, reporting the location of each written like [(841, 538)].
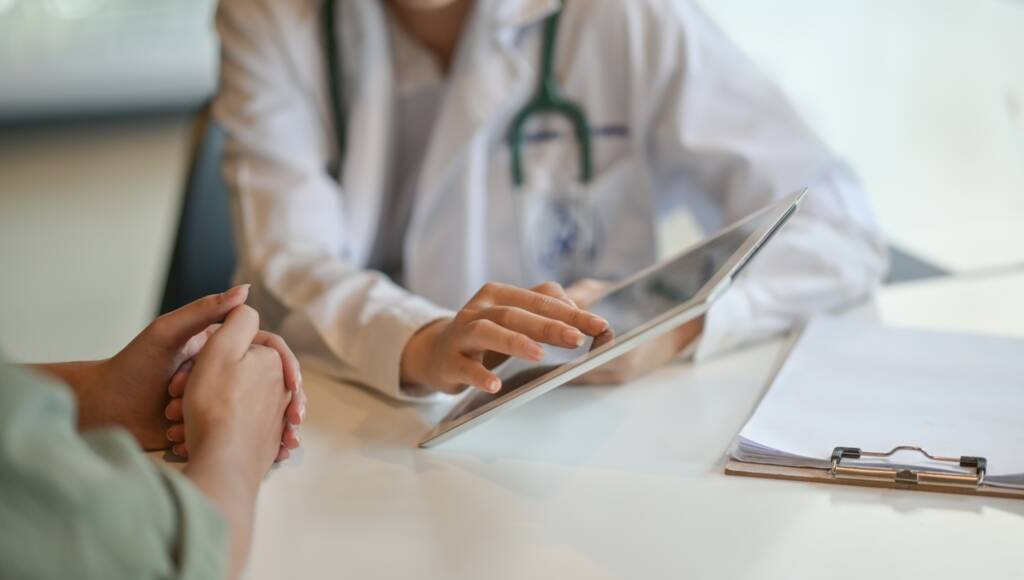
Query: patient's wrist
[(221, 451), (85, 379)]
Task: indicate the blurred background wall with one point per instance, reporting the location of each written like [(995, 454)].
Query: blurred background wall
[(97, 102)]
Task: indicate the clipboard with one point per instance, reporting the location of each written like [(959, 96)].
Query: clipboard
[(971, 482)]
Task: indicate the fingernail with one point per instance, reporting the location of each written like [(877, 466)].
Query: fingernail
[(168, 434), (298, 438), (167, 412), (493, 386), (573, 337), (598, 325), (535, 352), (302, 411), (237, 291)]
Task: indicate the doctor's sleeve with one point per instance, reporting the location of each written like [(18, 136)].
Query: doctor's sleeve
[(713, 123), (289, 212)]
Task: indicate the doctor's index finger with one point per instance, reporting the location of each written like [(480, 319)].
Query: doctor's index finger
[(486, 335), (236, 335), (548, 307), (535, 326)]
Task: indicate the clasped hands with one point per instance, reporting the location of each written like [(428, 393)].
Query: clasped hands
[(189, 378)]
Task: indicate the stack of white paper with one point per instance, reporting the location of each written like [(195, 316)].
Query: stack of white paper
[(859, 384)]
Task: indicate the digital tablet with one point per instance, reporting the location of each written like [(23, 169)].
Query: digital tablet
[(644, 306)]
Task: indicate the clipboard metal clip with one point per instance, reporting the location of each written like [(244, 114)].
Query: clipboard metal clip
[(908, 477)]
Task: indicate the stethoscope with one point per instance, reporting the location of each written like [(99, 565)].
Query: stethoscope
[(547, 99)]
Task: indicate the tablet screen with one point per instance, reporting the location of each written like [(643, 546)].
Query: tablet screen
[(642, 299)]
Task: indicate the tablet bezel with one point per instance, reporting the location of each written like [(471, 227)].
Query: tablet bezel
[(681, 314)]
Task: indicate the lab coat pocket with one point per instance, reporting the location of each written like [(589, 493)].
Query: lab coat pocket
[(572, 230)]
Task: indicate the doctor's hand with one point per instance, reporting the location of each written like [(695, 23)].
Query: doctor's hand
[(498, 322), (640, 360)]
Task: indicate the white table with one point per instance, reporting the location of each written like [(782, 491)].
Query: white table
[(601, 483)]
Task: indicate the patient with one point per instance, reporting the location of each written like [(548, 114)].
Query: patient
[(82, 501)]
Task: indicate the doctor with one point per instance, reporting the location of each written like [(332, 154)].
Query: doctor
[(390, 159)]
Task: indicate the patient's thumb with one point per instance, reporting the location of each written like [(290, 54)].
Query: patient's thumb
[(175, 328)]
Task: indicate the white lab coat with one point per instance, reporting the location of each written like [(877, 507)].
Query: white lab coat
[(680, 118)]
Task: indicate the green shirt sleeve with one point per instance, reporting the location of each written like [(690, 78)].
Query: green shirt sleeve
[(93, 505)]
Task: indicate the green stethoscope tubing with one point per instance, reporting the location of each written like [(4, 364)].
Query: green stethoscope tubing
[(334, 76), (547, 100)]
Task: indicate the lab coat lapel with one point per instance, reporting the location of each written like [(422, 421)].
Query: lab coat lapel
[(490, 78), (369, 97)]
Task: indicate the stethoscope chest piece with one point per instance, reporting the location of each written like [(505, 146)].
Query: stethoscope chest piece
[(560, 231)]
